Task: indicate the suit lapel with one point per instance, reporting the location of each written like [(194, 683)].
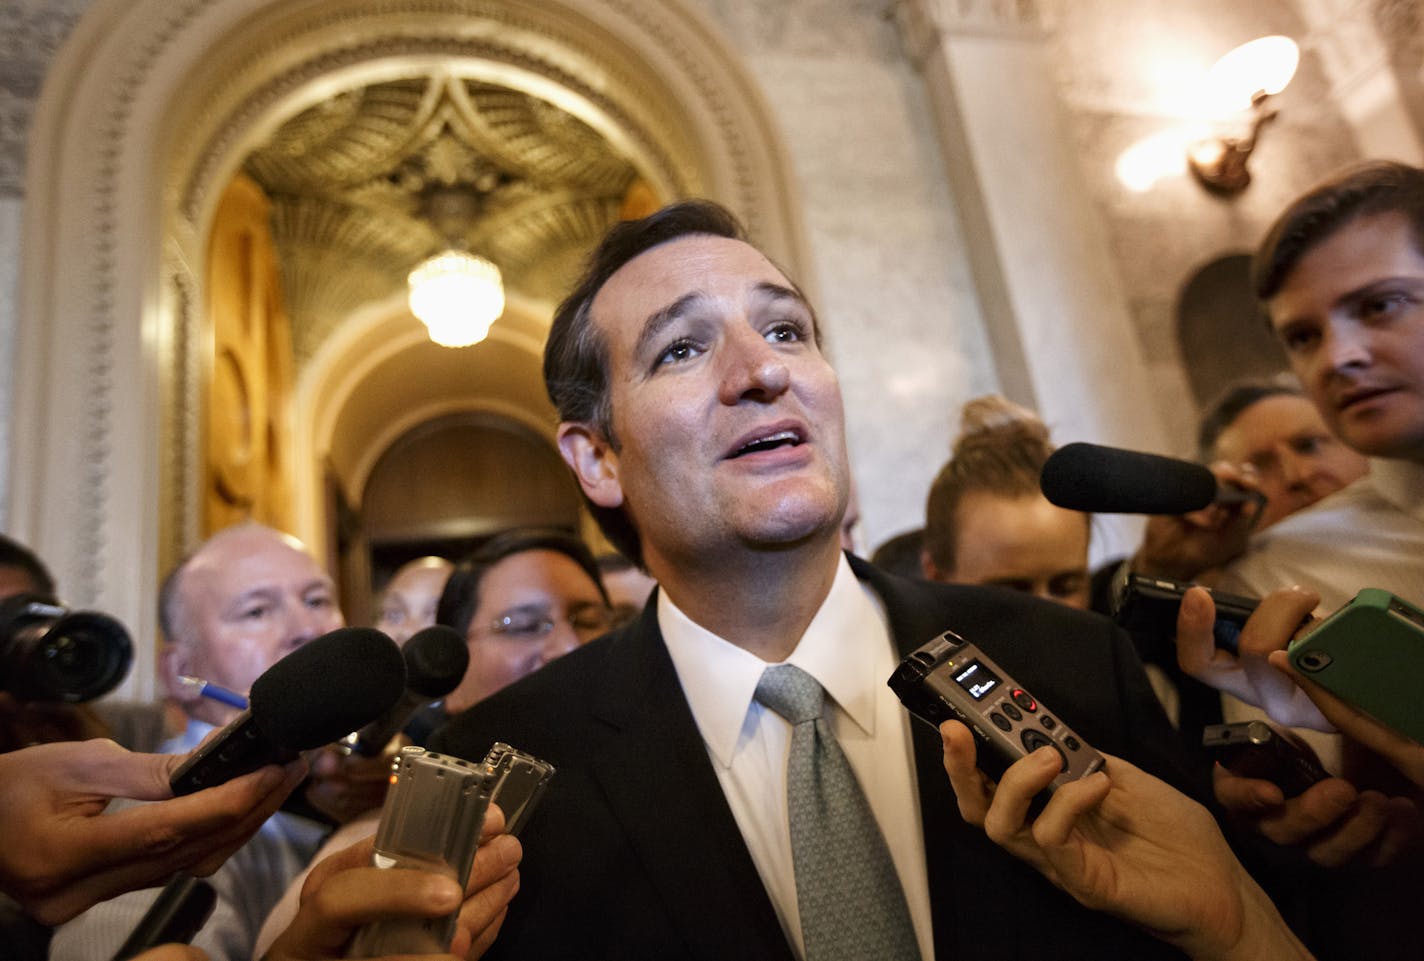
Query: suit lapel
[(661, 786)]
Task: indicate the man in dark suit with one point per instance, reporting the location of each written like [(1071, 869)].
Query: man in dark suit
[(705, 428)]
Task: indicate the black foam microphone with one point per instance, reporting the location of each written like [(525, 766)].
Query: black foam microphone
[(315, 695), (436, 659), (1109, 480)]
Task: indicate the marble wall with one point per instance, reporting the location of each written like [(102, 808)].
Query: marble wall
[(31, 31)]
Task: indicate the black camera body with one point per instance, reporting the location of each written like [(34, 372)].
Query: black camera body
[(51, 653)]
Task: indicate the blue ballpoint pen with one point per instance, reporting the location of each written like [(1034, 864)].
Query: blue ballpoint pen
[(213, 692)]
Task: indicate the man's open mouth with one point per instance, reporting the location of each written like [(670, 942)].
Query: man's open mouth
[(781, 438)]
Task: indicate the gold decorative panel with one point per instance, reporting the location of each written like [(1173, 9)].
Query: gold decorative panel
[(249, 385)]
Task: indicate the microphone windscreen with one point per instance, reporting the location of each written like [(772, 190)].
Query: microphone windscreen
[(328, 688), (436, 659), (1109, 480)]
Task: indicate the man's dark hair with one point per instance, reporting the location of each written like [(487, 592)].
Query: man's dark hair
[(16, 555), (576, 357), (461, 596), (1232, 403), (901, 554), (1374, 187)]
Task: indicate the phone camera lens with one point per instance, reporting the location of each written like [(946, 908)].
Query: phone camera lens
[(1314, 661)]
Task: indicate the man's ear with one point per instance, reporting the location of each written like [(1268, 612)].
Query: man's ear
[(173, 662), (928, 567), (594, 462)]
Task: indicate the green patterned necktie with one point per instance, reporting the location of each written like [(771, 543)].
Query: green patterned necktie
[(851, 904)]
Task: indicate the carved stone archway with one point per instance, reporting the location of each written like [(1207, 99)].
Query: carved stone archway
[(147, 113)]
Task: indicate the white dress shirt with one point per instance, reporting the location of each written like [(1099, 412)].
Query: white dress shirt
[(848, 649), (1367, 534)]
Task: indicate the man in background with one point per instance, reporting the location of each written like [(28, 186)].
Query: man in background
[(408, 602)]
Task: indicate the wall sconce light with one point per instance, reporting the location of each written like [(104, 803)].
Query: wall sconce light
[(1246, 78)]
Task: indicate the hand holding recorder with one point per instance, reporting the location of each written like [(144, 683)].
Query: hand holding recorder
[(1124, 842), (344, 893), (63, 853)]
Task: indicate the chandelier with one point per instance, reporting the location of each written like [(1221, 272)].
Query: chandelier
[(457, 295)]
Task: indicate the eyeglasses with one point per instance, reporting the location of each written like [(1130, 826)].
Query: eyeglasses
[(532, 625)]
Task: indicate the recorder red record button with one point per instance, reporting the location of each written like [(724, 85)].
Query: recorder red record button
[(1023, 699)]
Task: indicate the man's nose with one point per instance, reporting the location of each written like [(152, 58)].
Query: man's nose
[(306, 624), (1295, 469), (1346, 345), (752, 369)]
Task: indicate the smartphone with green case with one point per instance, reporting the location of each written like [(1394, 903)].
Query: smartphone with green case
[(1370, 653)]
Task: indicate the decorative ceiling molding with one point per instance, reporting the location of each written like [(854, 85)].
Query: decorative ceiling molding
[(351, 178)]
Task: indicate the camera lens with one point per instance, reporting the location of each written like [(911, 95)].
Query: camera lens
[(50, 654), (82, 656), (1314, 661)]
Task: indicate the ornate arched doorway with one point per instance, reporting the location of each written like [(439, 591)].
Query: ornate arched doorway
[(151, 110)]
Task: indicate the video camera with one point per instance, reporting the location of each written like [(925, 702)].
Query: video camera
[(51, 653)]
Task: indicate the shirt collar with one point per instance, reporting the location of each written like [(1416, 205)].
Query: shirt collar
[(838, 649), (1400, 482)]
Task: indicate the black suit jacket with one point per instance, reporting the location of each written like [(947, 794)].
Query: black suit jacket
[(634, 852)]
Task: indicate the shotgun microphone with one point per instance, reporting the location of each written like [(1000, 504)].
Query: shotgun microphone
[(1109, 480)]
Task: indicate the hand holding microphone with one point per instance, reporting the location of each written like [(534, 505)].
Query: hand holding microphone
[(1200, 518), (64, 853)]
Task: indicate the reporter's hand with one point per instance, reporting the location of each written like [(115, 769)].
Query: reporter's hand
[(1185, 546), (345, 786), (1406, 755), (1247, 674), (1331, 823), (63, 853), (343, 892), (1123, 842)]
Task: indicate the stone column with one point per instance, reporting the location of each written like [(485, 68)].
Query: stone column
[(1053, 302), (1371, 82)]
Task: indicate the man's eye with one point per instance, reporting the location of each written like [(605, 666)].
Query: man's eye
[(254, 613), (1382, 305), (1299, 338), (785, 332), (679, 351)]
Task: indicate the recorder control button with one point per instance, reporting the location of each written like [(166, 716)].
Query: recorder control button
[(1024, 700), (1012, 711), (1071, 743), (1033, 740), (1001, 722), (1048, 722)]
